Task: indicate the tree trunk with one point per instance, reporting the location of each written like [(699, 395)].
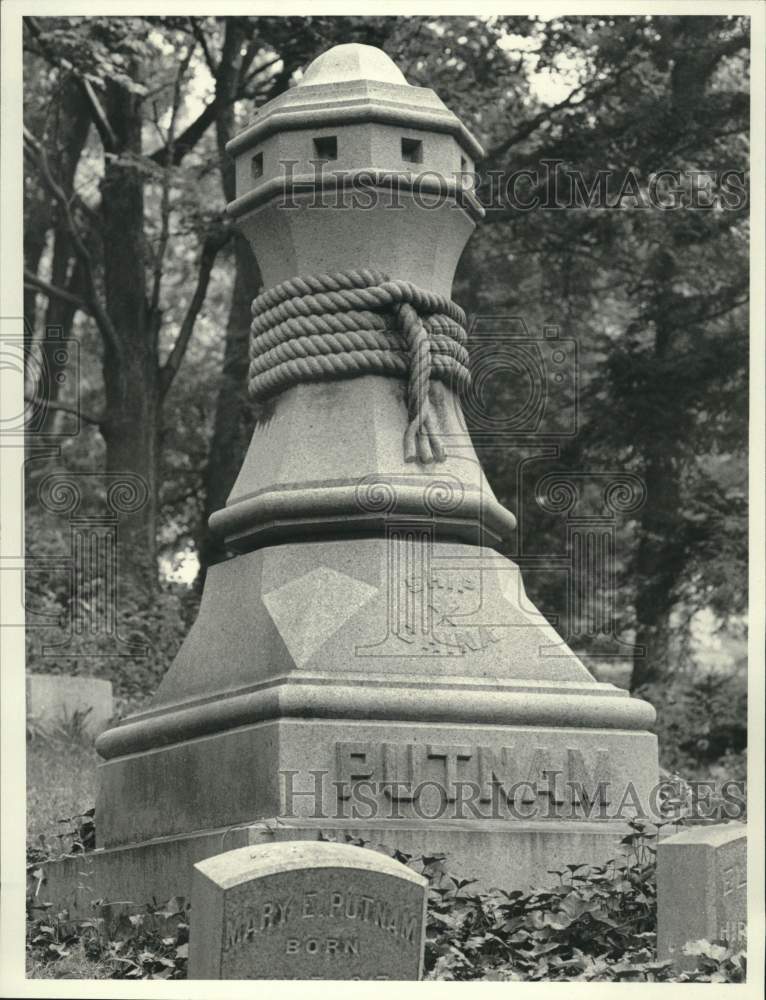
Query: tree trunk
[(36, 226), (233, 425), (131, 372), (73, 127), (660, 555), (657, 567), (69, 134)]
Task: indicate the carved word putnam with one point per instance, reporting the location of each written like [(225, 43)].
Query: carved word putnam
[(474, 773)]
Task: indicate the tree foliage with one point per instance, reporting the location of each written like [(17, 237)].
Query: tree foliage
[(127, 251)]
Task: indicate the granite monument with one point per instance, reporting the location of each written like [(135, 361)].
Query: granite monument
[(368, 659)]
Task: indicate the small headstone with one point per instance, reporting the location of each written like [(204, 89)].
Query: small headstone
[(306, 910), (56, 700), (702, 890)]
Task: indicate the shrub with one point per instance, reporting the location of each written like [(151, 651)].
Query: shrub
[(157, 621), (702, 730), (596, 923), (152, 944), (701, 722)]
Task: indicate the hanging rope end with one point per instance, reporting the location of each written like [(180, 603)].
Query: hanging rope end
[(422, 443)]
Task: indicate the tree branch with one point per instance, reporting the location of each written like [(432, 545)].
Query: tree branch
[(53, 291), (715, 314), (100, 120), (210, 248), (193, 132), (97, 113), (188, 139), (165, 200), (55, 405), (199, 34), (729, 47), (257, 71), (96, 308), (247, 59), (534, 123)]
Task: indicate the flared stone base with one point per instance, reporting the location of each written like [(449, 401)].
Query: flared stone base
[(496, 853), (416, 675)]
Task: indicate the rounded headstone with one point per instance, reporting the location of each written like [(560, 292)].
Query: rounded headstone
[(306, 910)]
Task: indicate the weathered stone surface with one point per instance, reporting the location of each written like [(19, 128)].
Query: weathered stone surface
[(306, 910), (125, 880), (302, 479), (701, 889), (366, 112), (345, 63), (298, 768), (371, 630), (314, 238), (496, 853), (319, 662), (55, 699)]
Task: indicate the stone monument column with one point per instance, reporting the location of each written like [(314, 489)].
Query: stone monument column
[(368, 660)]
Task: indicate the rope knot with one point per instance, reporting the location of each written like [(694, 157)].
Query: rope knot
[(325, 326)]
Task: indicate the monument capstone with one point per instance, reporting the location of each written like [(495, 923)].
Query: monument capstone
[(368, 660)]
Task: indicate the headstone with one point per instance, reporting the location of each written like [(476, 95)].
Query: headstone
[(306, 910), (702, 889), (54, 700)]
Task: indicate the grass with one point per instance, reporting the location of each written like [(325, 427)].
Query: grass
[(75, 965), (61, 782)]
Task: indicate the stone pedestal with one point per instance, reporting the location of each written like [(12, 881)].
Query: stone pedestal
[(492, 852), (343, 708)]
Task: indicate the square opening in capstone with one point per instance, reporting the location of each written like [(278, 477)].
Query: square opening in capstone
[(412, 150), (326, 147)]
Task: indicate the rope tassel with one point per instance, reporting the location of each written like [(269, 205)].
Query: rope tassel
[(325, 326)]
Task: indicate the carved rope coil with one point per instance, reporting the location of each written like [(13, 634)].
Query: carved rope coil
[(325, 326)]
